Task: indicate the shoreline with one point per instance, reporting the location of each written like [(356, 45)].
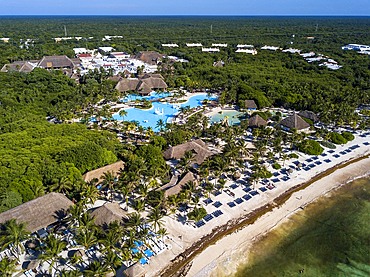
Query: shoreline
[(217, 243)]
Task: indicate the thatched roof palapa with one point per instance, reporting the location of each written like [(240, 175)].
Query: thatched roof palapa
[(256, 121), (189, 177), (56, 62), (98, 173), (143, 85), (198, 146), (149, 57), (20, 66), (136, 270), (250, 104), (40, 212), (108, 213), (295, 122), (310, 115)]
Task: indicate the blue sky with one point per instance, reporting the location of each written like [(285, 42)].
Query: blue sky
[(185, 7)]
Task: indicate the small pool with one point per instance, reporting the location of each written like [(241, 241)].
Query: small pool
[(164, 111), (232, 117)]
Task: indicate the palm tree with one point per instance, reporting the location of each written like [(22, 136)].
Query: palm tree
[(208, 187), (155, 217), (160, 125), (112, 260), (134, 221), (125, 191), (86, 238), (62, 185), (86, 222), (53, 247), (75, 212), (70, 273), (97, 269), (12, 236), (7, 267), (221, 182), (109, 182), (162, 232), (89, 194), (112, 237), (122, 113), (139, 205)]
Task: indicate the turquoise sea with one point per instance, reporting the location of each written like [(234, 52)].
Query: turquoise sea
[(330, 237)]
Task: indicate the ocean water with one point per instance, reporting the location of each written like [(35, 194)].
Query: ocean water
[(330, 237)]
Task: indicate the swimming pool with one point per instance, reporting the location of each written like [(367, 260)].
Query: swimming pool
[(153, 95), (164, 111), (232, 116)]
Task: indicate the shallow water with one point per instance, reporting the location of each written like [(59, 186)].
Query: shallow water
[(328, 238), (232, 117)]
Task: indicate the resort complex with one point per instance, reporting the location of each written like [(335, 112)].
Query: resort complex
[(140, 156)]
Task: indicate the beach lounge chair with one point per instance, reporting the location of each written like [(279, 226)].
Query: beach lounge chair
[(208, 217), (234, 186), (217, 192), (246, 197), (143, 261), (238, 201), (231, 204), (148, 253), (200, 223), (217, 213), (247, 189), (217, 204), (254, 192), (208, 201), (263, 189)]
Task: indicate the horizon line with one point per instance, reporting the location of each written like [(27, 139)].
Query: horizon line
[(205, 15)]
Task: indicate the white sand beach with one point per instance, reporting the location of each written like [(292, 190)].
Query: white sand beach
[(217, 257), (224, 257)]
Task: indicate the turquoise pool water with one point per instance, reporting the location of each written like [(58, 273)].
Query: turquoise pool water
[(164, 111), (153, 95), (233, 118)]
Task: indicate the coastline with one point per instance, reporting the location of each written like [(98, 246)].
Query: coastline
[(224, 256), (205, 250)]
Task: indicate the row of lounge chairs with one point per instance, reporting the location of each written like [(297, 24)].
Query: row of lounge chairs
[(208, 218)]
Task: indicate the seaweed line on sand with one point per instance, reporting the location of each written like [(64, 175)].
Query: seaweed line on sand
[(179, 265)]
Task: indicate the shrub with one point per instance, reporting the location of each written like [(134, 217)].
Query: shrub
[(309, 121), (276, 166), (264, 115), (328, 144), (348, 136), (337, 138), (293, 156), (197, 214), (310, 147)]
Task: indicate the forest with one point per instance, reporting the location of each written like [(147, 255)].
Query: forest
[(36, 155)]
